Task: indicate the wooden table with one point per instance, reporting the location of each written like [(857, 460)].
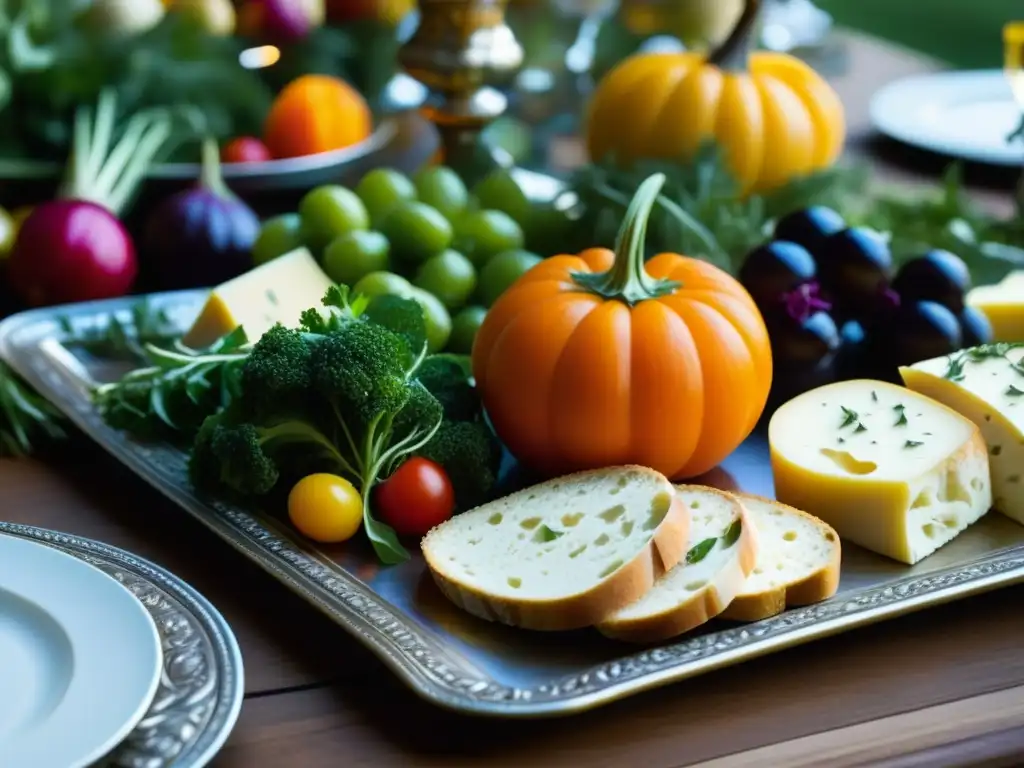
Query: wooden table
[(944, 687)]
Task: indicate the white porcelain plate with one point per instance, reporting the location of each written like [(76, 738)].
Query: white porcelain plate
[(80, 658), (963, 114)]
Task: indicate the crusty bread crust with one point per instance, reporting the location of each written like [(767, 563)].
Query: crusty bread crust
[(703, 605), (816, 587), (628, 584)]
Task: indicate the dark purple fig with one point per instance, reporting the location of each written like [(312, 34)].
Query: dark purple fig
[(801, 342), (937, 276), (774, 269), (975, 327), (920, 330), (809, 227), (854, 268), (201, 236)]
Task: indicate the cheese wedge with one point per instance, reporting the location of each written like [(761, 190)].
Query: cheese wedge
[(985, 384), (721, 553), (797, 561), (1003, 305), (887, 468), (276, 292), (564, 554)]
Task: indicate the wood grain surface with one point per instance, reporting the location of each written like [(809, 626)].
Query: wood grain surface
[(940, 688)]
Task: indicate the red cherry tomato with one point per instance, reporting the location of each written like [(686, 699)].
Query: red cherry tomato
[(415, 498), (245, 149)]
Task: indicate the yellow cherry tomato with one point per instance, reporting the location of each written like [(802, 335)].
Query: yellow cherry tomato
[(326, 508)]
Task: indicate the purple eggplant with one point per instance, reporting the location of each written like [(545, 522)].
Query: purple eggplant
[(201, 236)]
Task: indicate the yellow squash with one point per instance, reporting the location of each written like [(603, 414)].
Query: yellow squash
[(774, 116)]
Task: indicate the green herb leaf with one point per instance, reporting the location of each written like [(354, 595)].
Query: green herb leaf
[(901, 419), (700, 550), (860, 428), (849, 417), (384, 540), (912, 444), (732, 533), (1012, 391), (955, 369), (545, 534), (874, 396)]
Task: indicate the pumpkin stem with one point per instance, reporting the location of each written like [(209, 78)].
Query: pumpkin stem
[(732, 54), (627, 280)]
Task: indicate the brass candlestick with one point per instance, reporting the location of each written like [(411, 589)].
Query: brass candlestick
[(459, 48)]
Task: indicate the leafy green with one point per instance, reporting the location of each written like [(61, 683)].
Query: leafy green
[(51, 63), (179, 387), (26, 418), (703, 214), (700, 202)]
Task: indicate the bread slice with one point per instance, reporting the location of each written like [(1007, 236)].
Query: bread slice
[(563, 554), (797, 563), (721, 552)]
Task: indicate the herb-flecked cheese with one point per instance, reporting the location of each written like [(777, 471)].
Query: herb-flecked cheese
[(889, 469), (985, 384)]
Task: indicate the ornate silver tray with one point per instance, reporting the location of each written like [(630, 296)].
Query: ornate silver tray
[(201, 689), (457, 661)]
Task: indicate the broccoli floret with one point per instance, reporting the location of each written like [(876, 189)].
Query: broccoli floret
[(421, 409), (447, 378), (403, 317), (359, 370), (227, 455), (277, 372), (247, 459), (471, 456), (338, 309)]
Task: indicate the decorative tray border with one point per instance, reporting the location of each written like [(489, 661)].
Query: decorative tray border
[(30, 343)]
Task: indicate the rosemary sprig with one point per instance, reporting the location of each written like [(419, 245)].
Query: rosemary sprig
[(176, 390), (26, 418)]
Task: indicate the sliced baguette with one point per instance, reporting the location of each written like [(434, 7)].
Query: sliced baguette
[(797, 564), (721, 552), (563, 554)]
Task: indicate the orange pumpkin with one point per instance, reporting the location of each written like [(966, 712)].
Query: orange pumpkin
[(774, 117), (596, 360), (316, 113)]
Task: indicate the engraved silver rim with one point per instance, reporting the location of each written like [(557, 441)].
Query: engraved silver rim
[(202, 686)]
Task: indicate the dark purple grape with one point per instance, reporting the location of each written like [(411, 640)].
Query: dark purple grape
[(774, 269), (809, 227), (975, 327), (802, 343), (937, 276), (920, 330), (854, 269)]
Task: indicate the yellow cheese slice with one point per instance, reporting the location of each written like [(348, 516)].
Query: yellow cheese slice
[(887, 468), (1003, 305), (985, 384), (276, 292)]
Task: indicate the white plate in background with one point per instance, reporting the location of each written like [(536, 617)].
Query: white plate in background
[(967, 115), (80, 658)]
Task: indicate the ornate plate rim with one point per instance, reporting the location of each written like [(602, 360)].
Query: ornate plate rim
[(413, 652), (220, 641)]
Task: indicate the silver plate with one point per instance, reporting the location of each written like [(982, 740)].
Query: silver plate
[(202, 685), (468, 665)]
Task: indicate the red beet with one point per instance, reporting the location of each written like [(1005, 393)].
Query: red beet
[(71, 250), (74, 248)]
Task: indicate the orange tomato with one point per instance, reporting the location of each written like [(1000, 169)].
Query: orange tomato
[(316, 113), (597, 360)]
